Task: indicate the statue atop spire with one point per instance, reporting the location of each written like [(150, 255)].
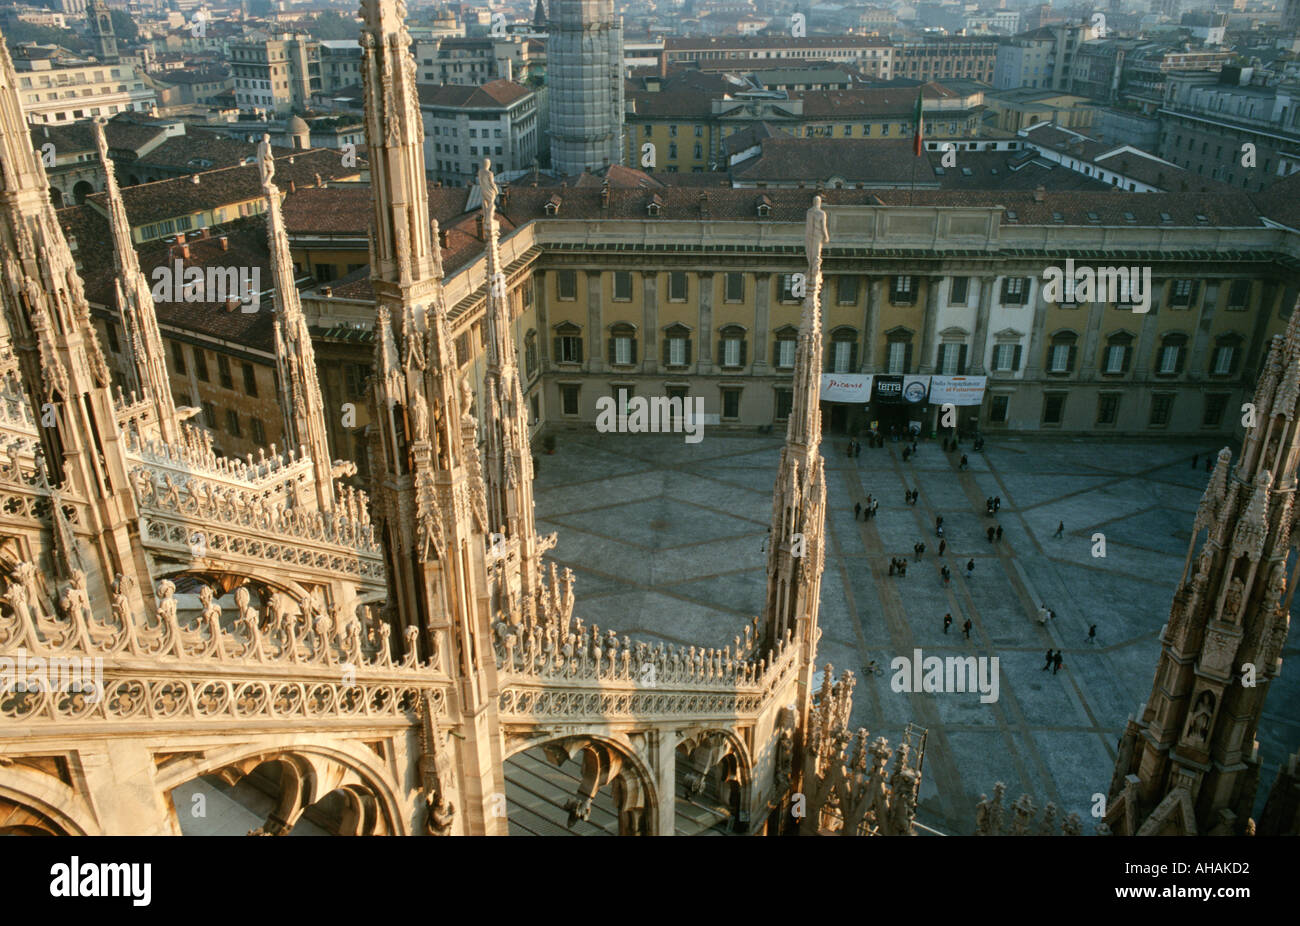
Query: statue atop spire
[(146, 357), (295, 358)]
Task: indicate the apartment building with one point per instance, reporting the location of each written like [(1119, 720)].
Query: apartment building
[(56, 90)]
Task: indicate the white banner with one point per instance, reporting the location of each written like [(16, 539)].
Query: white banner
[(957, 390), (846, 387)]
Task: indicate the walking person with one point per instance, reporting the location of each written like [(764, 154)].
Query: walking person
[(857, 510), (997, 503), (920, 549), (989, 533), (964, 462), (938, 524), (997, 535), (966, 628), (902, 567), (875, 506), (1057, 661), (1092, 634), (893, 565), (1060, 529), (1047, 665), (943, 545), (970, 568), (947, 575), (1043, 614), (857, 449), (947, 622)]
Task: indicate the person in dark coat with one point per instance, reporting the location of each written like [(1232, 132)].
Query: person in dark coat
[(1047, 665), (997, 534), (947, 622), (943, 545), (966, 628), (970, 568), (989, 534), (1056, 662), (857, 510), (964, 462)]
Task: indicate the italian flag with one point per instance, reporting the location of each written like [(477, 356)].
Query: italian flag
[(919, 121)]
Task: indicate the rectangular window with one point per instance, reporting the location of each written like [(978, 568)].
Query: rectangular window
[(1059, 359), (111, 330), (250, 380), (902, 292), (355, 375), (622, 286), (676, 352), (731, 403), (1014, 291), (258, 430), (787, 288), (567, 284), (677, 287), (897, 356), (178, 357), (998, 408), (959, 291), (1215, 405), (1002, 357), (846, 290), (569, 399), (232, 422), (1162, 408), (1115, 358), (1053, 408), (569, 349), (201, 364), (210, 415), (949, 365), (1223, 360), (623, 350), (843, 354), (785, 350), (735, 287), (1184, 292), (1169, 359), (731, 352), (223, 372), (1107, 409), (1238, 294), (784, 402)]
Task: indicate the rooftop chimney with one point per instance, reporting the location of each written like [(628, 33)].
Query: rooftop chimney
[(225, 243), (478, 225), (444, 238), (185, 251), (293, 187)]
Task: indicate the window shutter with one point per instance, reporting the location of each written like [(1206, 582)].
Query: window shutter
[(743, 345), (853, 357), (559, 350), (776, 354), (668, 348), (613, 351), (1196, 288), (722, 352), (1015, 359), (688, 350), (1214, 360), (579, 342), (961, 361), (1126, 358), (907, 357), (938, 357), (1182, 355), (1235, 361), (633, 350), (1069, 360)]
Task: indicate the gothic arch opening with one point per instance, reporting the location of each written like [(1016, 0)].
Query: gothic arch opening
[(21, 820), (713, 778), (81, 191), (577, 786)]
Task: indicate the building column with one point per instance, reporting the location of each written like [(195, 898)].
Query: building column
[(595, 331), (930, 321), (1034, 349), (121, 782), (650, 322), (762, 319), (1196, 362), (538, 283), (1091, 338), (664, 745), (704, 360), (979, 345), (868, 364)]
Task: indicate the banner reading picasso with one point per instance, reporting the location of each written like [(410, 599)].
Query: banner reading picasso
[(846, 387), (957, 390)]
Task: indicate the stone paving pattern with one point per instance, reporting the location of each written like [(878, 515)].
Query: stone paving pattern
[(666, 539)]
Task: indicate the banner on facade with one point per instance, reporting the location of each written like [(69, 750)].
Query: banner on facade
[(846, 387), (957, 390), (903, 390)]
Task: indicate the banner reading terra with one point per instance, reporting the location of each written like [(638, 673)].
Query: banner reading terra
[(957, 390), (846, 387)]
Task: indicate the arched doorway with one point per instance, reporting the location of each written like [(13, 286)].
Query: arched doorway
[(81, 191)]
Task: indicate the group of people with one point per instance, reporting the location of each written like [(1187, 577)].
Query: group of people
[(909, 451), (866, 511), (855, 448), (1054, 661), (992, 505), (965, 628), (898, 566), (918, 549), (994, 533), (911, 495)]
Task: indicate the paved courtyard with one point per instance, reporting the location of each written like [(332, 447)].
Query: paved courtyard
[(666, 540)]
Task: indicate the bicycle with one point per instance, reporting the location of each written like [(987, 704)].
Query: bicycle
[(872, 668)]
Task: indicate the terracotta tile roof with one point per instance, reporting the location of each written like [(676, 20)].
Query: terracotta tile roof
[(198, 150), (1281, 201), (246, 247), (899, 102), (493, 94), (783, 42), (153, 202), (854, 160), (347, 210), (76, 136)]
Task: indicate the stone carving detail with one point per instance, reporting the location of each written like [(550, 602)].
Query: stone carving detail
[(991, 818)]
